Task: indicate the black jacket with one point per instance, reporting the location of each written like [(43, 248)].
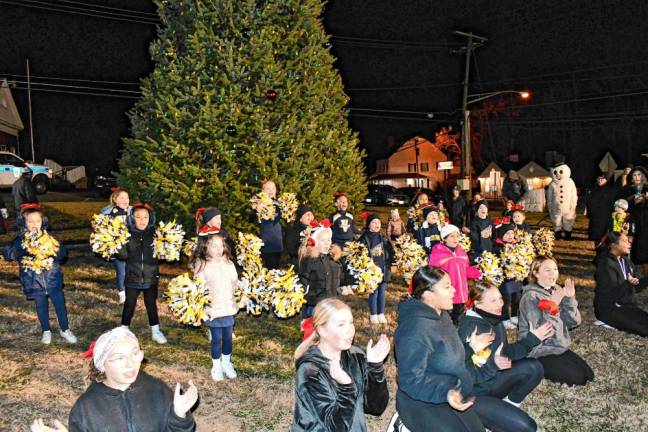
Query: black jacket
[(457, 209), (23, 191), (145, 406), (293, 240), (383, 259), (485, 375), (513, 189), (322, 277), (639, 219), (611, 285), (429, 354), (599, 204), (480, 244), (323, 405), (270, 231), (431, 233), (343, 227), (141, 267)]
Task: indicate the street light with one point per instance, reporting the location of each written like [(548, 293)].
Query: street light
[(465, 133)]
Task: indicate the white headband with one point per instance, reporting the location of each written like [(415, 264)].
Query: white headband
[(106, 342)]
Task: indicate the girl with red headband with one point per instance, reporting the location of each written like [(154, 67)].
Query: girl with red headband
[(318, 271), (41, 284), (212, 262), (119, 207), (141, 268)]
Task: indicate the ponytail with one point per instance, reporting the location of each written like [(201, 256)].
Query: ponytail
[(321, 315)]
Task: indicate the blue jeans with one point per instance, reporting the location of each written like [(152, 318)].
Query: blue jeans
[(377, 300), (42, 310), (120, 270), (221, 342)]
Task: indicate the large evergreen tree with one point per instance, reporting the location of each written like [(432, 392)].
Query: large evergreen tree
[(242, 90)]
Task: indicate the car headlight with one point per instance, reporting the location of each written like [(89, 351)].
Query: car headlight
[(368, 199)]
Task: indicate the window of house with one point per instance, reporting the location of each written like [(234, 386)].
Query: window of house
[(424, 167), (411, 167)]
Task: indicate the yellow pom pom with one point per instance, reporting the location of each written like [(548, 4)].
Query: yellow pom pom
[(188, 299), (109, 234), (289, 204), (41, 248), (409, 255), (366, 273), (264, 206), (167, 241)]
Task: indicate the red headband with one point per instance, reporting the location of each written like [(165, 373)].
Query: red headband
[(143, 205), (115, 189), (29, 206), (519, 206), (501, 221), (365, 215), (200, 212), (90, 352)]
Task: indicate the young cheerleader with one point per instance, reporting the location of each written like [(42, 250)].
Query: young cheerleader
[(119, 207), (510, 289), (429, 232), (213, 217), (41, 285), (336, 383), (141, 269), (545, 301), (342, 223), (213, 264), (508, 210), (481, 230), (294, 233), (395, 225), (500, 369), (420, 201), (518, 218), (450, 257), (381, 252), (318, 271), (270, 230)]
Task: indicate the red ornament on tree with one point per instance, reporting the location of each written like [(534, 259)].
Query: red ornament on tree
[(271, 95)]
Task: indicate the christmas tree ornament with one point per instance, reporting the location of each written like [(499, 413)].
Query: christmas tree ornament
[(271, 95), (246, 33), (231, 130)]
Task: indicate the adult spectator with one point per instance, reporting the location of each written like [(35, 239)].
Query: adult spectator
[(514, 187), (598, 206), (457, 207), (616, 284), (23, 191)]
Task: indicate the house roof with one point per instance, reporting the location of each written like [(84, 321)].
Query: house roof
[(491, 166), (409, 143), (533, 169), (10, 121)]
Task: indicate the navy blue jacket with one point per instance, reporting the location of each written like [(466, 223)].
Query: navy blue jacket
[(380, 251), (270, 231), (430, 232), (485, 374), (429, 354), (480, 244), (343, 227), (33, 284)]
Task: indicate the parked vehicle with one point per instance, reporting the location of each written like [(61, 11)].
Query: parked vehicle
[(103, 183), (11, 167), (385, 195)]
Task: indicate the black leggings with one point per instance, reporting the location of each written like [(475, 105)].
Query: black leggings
[(271, 260), (150, 301), (625, 318), (566, 368), (420, 416), (511, 303), (500, 416)]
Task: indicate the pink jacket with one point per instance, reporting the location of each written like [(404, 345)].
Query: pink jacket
[(458, 267)]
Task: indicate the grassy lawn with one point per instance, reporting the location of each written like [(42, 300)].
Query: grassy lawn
[(40, 381)]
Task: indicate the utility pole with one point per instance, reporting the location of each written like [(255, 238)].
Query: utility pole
[(474, 42), (31, 121)]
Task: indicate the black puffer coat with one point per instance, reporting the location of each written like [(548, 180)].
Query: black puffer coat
[(322, 277), (141, 267), (599, 204), (323, 405), (145, 406)]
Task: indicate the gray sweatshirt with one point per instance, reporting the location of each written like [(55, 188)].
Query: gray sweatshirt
[(566, 319)]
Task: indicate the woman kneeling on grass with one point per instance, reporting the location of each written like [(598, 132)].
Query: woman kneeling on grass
[(123, 398), (336, 382)]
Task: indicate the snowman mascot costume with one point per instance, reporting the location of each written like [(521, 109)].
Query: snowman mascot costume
[(561, 200)]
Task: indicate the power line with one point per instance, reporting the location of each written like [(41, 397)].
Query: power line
[(400, 42), (151, 14), (72, 79), (584, 99), (77, 93), (427, 120), (54, 9), (81, 87), (84, 9)]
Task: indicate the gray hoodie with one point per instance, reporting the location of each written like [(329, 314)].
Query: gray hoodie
[(566, 319)]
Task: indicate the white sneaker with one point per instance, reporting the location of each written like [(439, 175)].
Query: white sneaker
[(382, 319), (217, 370), (46, 338), (157, 335), (122, 296), (508, 325), (602, 324), (69, 336), (373, 319), (228, 367), (514, 320)]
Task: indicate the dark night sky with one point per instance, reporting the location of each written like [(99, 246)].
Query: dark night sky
[(592, 51)]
